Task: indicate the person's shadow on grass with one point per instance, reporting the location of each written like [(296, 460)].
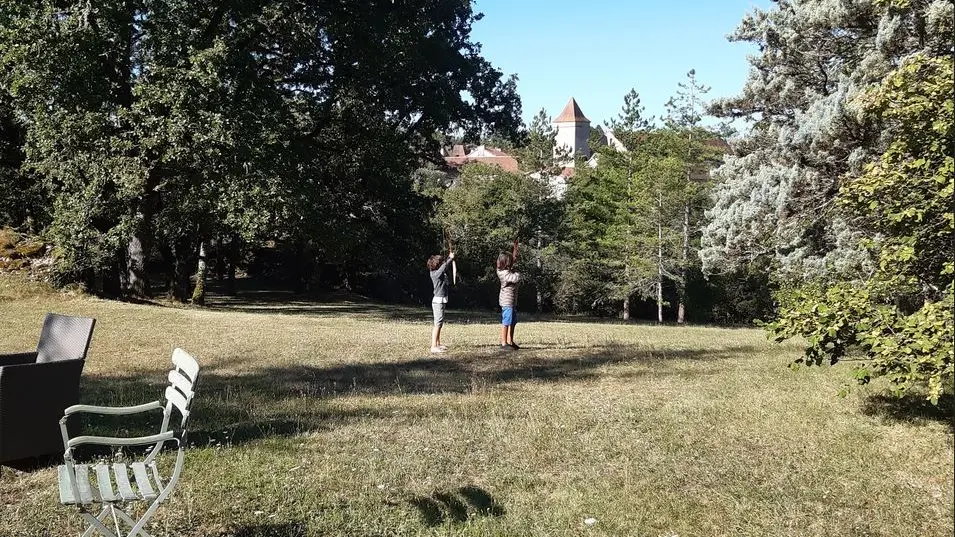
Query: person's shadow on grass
[(456, 506)]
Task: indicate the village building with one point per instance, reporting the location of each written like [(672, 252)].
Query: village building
[(573, 131), (571, 140), (457, 156)]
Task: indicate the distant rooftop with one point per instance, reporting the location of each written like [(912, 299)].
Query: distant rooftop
[(571, 114), (455, 157)]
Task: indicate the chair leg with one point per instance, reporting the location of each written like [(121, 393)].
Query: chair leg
[(96, 523), (138, 528), (132, 524)]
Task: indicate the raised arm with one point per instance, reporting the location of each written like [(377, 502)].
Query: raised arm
[(510, 277), (444, 266)]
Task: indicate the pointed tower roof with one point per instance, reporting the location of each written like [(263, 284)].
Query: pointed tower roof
[(571, 114)]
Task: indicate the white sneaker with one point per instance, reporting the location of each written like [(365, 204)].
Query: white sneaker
[(437, 350)]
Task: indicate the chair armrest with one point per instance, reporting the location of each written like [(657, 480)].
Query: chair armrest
[(118, 441), (113, 410), (18, 358), (54, 380)]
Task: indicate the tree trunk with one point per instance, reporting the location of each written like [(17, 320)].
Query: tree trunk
[(232, 258), (681, 291), (660, 258), (299, 278), (540, 265), (183, 257), (629, 243), (220, 263), (111, 285), (136, 280), (199, 292)]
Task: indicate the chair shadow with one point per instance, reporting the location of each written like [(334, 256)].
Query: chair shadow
[(456, 506), (32, 464), (911, 408)]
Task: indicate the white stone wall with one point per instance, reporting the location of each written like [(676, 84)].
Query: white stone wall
[(573, 136)]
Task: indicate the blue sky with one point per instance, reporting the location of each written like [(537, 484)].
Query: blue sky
[(596, 51)]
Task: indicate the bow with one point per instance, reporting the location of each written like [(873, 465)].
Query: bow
[(514, 251), (454, 264)]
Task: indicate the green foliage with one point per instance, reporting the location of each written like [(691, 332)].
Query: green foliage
[(487, 209), (162, 124), (774, 196), (633, 218), (23, 203), (538, 154), (741, 297), (900, 316), (614, 213)]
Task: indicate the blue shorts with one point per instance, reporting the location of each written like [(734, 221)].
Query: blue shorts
[(508, 316)]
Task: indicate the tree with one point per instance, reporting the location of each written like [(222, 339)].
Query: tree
[(685, 115), (155, 127), (22, 200), (538, 155), (901, 314), (620, 214), (841, 181), (487, 209), (774, 197), (544, 162)]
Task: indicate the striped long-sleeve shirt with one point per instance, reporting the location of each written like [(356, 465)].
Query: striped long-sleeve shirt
[(509, 281)]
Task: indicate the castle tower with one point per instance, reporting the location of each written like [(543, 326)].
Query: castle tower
[(573, 128)]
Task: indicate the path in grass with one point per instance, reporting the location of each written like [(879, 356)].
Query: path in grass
[(331, 419)]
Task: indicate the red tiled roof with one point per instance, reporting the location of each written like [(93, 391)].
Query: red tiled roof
[(571, 114), (720, 144), (503, 161)]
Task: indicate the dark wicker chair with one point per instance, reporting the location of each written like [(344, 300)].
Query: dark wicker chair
[(36, 387)]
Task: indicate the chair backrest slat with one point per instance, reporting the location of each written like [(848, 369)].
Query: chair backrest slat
[(181, 383), (186, 363), (176, 399), (64, 337)]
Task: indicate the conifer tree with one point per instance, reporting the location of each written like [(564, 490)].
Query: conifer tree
[(685, 115)]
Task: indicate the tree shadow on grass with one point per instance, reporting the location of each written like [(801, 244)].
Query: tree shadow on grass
[(277, 302), (911, 408), (341, 304), (456, 506), (268, 530), (285, 401)]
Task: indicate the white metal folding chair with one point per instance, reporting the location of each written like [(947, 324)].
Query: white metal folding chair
[(119, 484)]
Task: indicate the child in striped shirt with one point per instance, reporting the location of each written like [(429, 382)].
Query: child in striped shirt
[(507, 298)]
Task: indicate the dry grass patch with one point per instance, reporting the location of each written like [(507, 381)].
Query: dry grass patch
[(331, 419)]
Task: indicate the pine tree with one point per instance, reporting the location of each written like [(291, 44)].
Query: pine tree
[(774, 196), (844, 183), (621, 215), (685, 115)]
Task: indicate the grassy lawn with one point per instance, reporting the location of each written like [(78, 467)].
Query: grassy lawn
[(332, 420)]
